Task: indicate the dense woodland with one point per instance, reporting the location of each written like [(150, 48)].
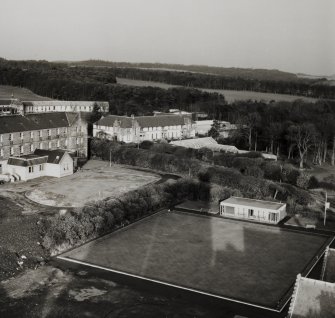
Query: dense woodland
[(296, 130), (301, 87)]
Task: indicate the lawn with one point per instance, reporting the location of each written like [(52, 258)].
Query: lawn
[(96, 181), (251, 262), (19, 92), (230, 95)]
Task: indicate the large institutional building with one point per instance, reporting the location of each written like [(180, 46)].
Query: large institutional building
[(21, 134), (10, 106), (137, 129)]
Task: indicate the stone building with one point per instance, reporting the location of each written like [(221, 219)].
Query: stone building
[(137, 129), (21, 134)]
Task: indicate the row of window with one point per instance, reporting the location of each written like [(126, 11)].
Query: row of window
[(272, 217), (41, 146), (59, 108), (31, 169), (40, 133)]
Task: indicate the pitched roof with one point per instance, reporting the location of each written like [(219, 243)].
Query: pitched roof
[(27, 161), (6, 102), (54, 156), (143, 121), (160, 121), (329, 274), (18, 123), (125, 122), (312, 298), (254, 203)]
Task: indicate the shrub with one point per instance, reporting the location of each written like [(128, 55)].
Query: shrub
[(303, 180), (99, 217), (290, 174), (272, 171)]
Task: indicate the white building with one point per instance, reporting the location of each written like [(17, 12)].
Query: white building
[(253, 210), (51, 163), (137, 129), (63, 106)]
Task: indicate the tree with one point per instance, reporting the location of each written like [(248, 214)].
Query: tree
[(303, 136), (214, 131)]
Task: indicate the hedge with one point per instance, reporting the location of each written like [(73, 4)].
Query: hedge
[(102, 216)]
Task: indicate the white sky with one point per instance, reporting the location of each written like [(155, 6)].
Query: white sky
[(290, 35)]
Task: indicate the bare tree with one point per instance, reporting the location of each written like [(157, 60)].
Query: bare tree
[(303, 136)]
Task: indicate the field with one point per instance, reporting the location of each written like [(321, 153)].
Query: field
[(251, 262), (19, 92), (230, 95), (96, 181)]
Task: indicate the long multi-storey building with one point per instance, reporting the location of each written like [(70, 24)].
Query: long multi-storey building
[(10, 106), (64, 106), (137, 129), (21, 134)]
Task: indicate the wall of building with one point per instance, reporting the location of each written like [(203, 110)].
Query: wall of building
[(73, 139), (27, 173), (259, 214), (137, 134)]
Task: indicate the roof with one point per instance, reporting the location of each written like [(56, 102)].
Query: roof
[(27, 161), (313, 298), (125, 122), (143, 121), (253, 203), (207, 142), (6, 102), (269, 156), (19, 123), (329, 274), (54, 156)]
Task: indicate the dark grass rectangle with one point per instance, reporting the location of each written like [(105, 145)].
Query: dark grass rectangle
[(251, 262)]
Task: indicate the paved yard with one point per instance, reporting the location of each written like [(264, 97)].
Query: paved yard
[(95, 181), (252, 262)]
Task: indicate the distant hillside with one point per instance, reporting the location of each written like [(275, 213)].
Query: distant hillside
[(247, 73)]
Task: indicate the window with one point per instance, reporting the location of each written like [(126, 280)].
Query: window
[(1, 152), (41, 145), (31, 169), (21, 135), (21, 150), (58, 131), (41, 167), (10, 137), (58, 143), (77, 141), (41, 133), (251, 213), (273, 217), (11, 151), (31, 148), (229, 210), (49, 145), (31, 134), (49, 132), (1, 138)]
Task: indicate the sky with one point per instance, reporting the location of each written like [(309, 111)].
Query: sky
[(290, 35)]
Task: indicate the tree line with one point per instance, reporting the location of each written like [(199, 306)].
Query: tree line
[(302, 87), (59, 81)]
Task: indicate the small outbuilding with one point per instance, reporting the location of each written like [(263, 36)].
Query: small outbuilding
[(51, 163), (253, 210)]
